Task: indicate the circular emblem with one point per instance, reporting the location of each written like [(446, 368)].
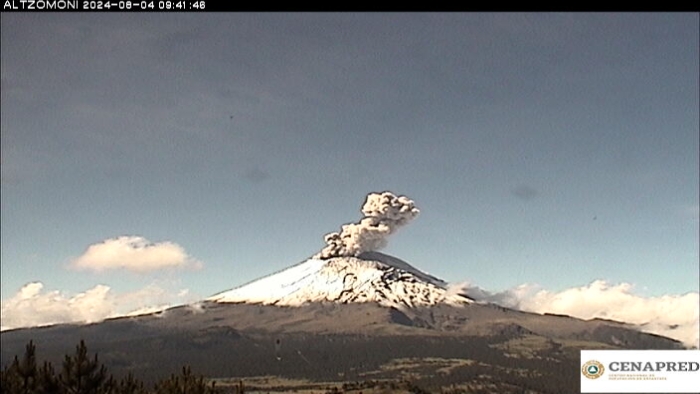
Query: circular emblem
[(592, 369)]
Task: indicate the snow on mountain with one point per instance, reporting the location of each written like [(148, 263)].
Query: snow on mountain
[(371, 277)]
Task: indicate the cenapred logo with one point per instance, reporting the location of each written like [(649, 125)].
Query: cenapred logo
[(592, 369), (640, 371)]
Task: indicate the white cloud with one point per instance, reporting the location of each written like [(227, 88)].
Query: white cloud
[(33, 306), (135, 254), (674, 316)]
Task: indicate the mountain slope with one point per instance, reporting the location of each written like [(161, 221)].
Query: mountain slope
[(348, 319), (371, 277), (335, 341)]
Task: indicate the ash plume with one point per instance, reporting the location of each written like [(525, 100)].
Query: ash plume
[(383, 214)]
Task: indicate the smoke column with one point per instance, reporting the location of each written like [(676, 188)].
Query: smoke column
[(383, 214)]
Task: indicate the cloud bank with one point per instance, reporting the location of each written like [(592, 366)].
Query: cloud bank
[(34, 306), (134, 253), (673, 316)]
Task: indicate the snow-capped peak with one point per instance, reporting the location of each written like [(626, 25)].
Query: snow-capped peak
[(371, 277)]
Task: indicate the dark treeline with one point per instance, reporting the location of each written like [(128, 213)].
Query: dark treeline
[(549, 371), (82, 374)]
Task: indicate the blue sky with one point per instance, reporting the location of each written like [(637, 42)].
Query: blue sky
[(550, 149)]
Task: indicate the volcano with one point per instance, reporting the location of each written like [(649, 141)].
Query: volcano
[(349, 313), (369, 317), (370, 277)]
